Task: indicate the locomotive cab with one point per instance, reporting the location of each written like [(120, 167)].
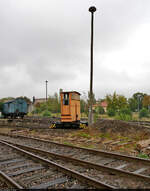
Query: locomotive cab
[(70, 111), (70, 107)]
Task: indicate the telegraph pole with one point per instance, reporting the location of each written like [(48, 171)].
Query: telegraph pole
[(90, 117), (46, 89)]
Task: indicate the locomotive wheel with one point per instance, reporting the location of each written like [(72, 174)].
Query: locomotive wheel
[(52, 126)]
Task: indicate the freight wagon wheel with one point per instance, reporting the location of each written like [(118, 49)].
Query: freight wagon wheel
[(22, 116)]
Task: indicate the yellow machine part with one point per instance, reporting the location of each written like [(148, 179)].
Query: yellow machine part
[(82, 126), (52, 126)]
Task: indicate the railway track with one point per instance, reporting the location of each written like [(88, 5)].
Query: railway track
[(23, 169), (142, 123), (46, 122), (30, 123), (115, 170)]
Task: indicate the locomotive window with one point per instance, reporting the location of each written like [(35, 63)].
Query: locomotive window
[(66, 99)]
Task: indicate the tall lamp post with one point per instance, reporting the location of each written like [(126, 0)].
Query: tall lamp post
[(46, 89), (90, 117)]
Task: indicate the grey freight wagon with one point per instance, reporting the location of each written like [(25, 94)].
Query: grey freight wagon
[(15, 108)]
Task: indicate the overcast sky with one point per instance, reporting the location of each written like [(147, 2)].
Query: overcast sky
[(50, 40)]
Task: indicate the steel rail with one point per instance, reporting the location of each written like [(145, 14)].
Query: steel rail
[(94, 151), (67, 171), (83, 163), (9, 181)]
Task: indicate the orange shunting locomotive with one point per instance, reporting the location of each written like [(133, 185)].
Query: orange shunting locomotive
[(70, 111), (70, 106)]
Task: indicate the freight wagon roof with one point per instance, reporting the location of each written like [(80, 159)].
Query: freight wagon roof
[(72, 92), (10, 101)]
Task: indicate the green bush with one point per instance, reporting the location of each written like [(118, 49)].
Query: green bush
[(143, 113), (46, 113), (30, 114), (95, 117), (124, 114), (124, 117), (100, 110), (142, 155), (126, 111), (111, 112)]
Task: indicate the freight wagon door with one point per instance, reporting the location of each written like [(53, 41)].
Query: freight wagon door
[(65, 107)]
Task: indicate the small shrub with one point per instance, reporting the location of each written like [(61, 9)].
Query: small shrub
[(85, 135), (105, 135), (100, 110), (124, 114), (111, 112), (126, 111), (30, 114), (95, 117), (90, 146), (46, 113), (143, 113), (67, 143), (124, 117), (141, 155)]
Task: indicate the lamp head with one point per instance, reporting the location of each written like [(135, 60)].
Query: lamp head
[(92, 9)]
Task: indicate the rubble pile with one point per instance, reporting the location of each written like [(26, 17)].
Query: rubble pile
[(117, 126)]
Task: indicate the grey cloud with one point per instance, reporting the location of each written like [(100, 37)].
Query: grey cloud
[(51, 40)]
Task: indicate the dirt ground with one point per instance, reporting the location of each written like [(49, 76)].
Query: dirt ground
[(111, 135)]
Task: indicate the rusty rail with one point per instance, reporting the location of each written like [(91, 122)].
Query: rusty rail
[(72, 173), (94, 151), (84, 163), (9, 181)]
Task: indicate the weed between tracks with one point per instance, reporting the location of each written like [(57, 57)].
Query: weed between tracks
[(145, 156), (108, 135)]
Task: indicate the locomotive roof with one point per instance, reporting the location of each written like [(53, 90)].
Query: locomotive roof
[(71, 92)]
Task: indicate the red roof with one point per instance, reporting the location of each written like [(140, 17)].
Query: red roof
[(104, 104)]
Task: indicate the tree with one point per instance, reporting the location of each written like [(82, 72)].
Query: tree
[(146, 101), (100, 110), (93, 99), (136, 101), (111, 112), (139, 98), (122, 102), (133, 104), (46, 113), (6, 99), (143, 113), (116, 102), (52, 105), (124, 114), (26, 98), (83, 105)]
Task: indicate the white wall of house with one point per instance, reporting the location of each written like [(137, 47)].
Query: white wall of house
[(30, 108)]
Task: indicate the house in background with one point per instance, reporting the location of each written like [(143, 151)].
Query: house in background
[(103, 104), (35, 101), (38, 100)]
